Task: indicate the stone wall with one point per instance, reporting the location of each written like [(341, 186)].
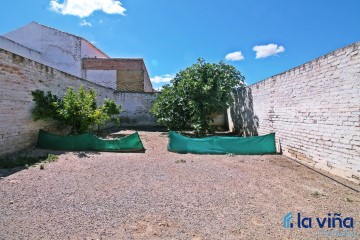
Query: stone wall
[(314, 109), (20, 76)]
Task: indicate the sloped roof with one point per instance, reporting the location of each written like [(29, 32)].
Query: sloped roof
[(70, 34)]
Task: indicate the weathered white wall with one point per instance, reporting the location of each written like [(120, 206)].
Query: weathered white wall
[(19, 49), (135, 109), (60, 50), (105, 78), (29, 36)]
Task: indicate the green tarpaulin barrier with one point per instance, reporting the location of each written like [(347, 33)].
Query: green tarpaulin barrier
[(89, 142), (222, 145)]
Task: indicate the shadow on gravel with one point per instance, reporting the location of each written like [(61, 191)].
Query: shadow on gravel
[(25, 159), (115, 132), (5, 172), (86, 154), (216, 133), (136, 128)]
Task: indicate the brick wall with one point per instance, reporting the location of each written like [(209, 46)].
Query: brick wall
[(19, 76), (112, 63), (130, 80), (314, 110), (131, 74)]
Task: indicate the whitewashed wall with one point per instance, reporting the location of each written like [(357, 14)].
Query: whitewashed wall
[(105, 78), (20, 50), (59, 50), (314, 109)]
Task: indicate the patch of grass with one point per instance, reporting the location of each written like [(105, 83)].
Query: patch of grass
[(26, 161), (180, 161), (52, 158), (317, 194), (349, 200)]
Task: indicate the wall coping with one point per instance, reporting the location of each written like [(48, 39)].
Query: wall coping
[(65, 73), (308, 62)]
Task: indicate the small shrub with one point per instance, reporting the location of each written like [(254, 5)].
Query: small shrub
[(78, 109), (46, 105)]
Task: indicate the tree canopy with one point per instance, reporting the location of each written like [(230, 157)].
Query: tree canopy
[(196, 95)]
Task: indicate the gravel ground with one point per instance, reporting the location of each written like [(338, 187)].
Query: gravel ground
[(163, 195)]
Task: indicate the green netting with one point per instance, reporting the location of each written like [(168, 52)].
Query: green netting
[(89, 142), (222, 145)]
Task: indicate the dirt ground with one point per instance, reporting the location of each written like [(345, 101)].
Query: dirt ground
[(164, 195)]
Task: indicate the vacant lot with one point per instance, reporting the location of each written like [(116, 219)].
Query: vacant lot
[(163, 195)]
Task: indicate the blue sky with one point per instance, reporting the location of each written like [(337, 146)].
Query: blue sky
[(260, 38)]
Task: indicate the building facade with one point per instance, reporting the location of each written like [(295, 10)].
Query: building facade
[(77, 56)]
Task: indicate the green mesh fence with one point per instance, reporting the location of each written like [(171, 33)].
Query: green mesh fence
[(89, 142), (222, 145)]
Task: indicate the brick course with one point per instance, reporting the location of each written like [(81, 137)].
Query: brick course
[(112, 64), (130, 80)]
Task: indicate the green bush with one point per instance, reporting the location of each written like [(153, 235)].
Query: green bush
[(46, 105), (197, 94), (78, 109)]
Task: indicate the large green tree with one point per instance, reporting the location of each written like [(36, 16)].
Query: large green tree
[(196, 95)]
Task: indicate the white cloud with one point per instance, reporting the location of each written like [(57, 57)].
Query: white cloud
[(162, 79), (264, 51), (234, 56), (84, 8), (85, 23)]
